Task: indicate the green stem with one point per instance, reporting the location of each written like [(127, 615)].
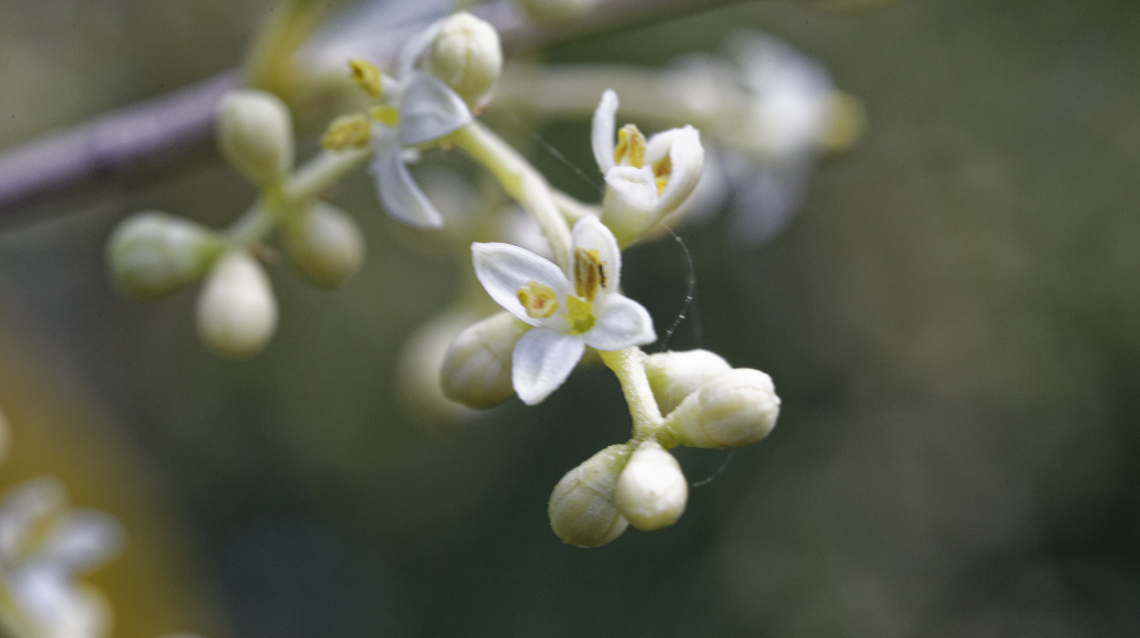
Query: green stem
[(321, 172), (521, 181), (279, 200), (629, 367)]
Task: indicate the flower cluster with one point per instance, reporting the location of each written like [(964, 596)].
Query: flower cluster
[(559, 292)]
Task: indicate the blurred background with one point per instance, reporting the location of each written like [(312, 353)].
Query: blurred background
[(952, 321)]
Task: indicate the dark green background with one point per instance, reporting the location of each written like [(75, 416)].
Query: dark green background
[(953, 323)]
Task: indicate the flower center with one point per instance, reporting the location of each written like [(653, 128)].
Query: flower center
[(630, 149), (662, 169), (539, 300), (581, 315)]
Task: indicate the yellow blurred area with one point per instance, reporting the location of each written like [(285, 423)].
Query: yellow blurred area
[(55, 428)]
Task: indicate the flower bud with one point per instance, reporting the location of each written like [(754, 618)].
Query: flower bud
[(651, 491), (581, 509), (477, 368), (236, 311), (152, 253), (556, 10), (738, 407), (255, 134), (675, 375), (467, 56), (324, 243)]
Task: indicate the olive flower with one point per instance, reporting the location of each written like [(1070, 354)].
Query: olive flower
[(645, 179), (566, 313)]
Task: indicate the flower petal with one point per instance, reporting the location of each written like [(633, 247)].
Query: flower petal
[(83, 540), (414, 48), (602, 132), (591, 234), (623, 323), (686, 157), (541, 362), (399, 192), (503, 269), (630, 202), (430, 110)]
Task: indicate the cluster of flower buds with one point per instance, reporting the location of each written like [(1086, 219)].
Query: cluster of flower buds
[(152, 254), (706, 404)]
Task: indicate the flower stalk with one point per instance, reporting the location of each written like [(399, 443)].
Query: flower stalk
[(521, 181)]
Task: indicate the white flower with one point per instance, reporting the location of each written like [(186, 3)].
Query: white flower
[(645, 180), (44, 547), (567, 313), (428, 110)]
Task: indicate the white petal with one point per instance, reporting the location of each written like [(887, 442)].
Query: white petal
[(430, 110), (399, 192), (414, 48), (687, 157), (541, 362), (591, 234), (503, 269), (24, 506), (83, 540), (623, 323), (630, 203), (602, 132)]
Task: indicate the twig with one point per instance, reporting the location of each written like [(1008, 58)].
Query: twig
[(139, 144)]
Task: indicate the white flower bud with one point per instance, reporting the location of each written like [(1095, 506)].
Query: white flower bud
[(651, 491), (556, 10), (324, 243), (477, 369), (152, 253), (467, 56), (735, 408), (675, 375), (581, 506), (255, 134), (236, 311)]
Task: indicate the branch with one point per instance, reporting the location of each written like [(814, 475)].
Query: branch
[(142, 143)]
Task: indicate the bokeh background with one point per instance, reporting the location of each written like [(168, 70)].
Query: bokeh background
[(953, 323)]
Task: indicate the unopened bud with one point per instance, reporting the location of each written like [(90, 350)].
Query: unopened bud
[(152, 253), (651, 492), (477, 369), (738, 407), (255, 134), (324, 243), (467, 56), (675, 375), (236, 311), (582, 508), (556, 10)]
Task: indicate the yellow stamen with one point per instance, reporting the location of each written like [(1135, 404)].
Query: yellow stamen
[(590, 273), (347, 131), (539, 300), (662, 169), (366, 76), (385, 114), (630, 149), (581, 315)]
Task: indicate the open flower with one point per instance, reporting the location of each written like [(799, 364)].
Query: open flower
[(420, 108), (44, 547), (427, 110), (567, 313), (645, 179)]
